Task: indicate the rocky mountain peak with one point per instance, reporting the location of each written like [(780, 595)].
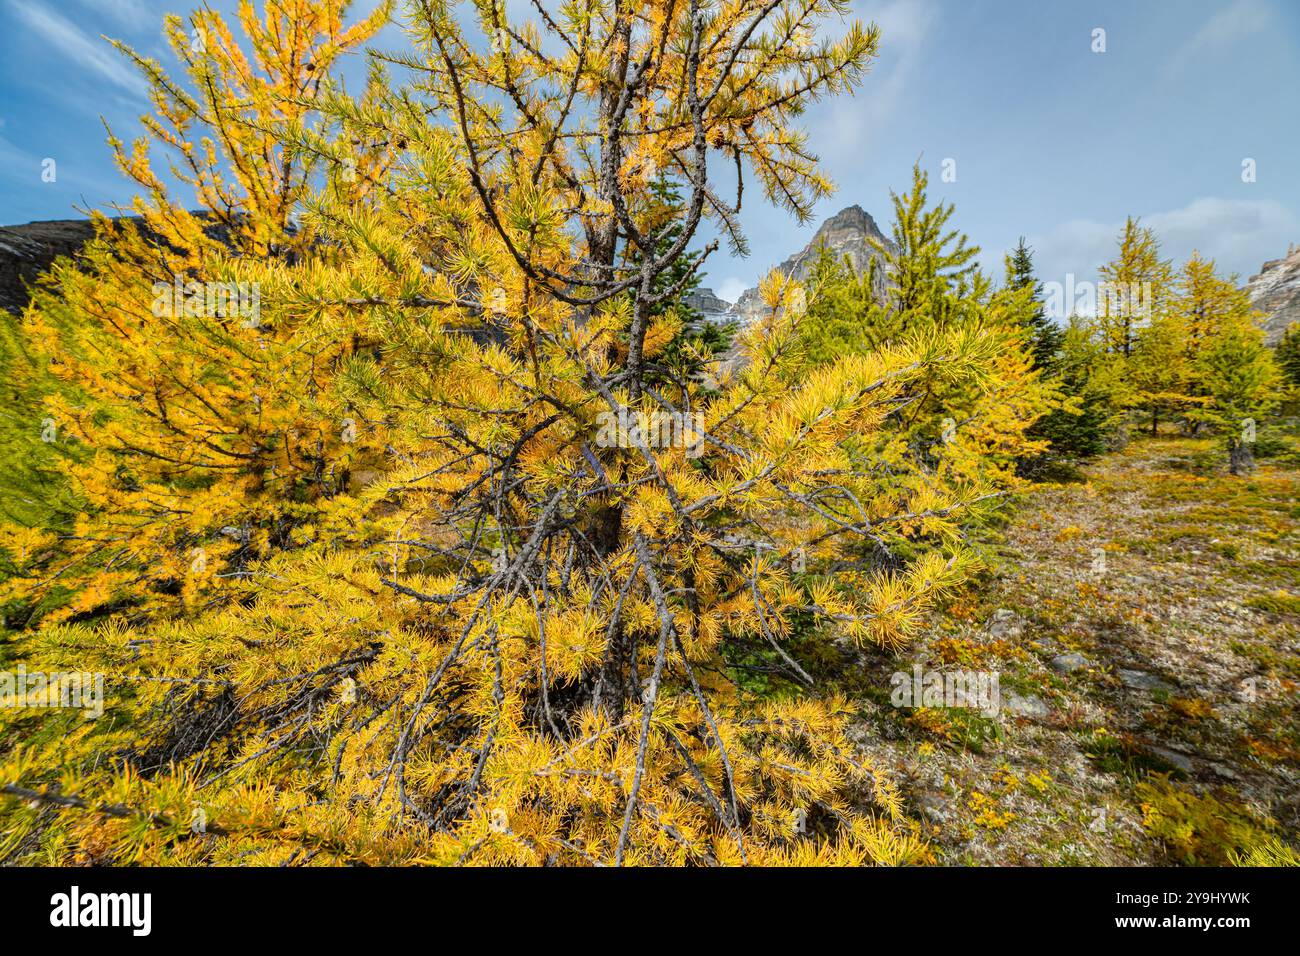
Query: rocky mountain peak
[(851, 219), (1275, 291), (850, 233), (847, 233), (709, 303)]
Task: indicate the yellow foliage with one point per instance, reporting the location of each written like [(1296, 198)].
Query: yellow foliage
[(365, 582)]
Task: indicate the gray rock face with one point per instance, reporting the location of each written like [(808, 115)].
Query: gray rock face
[(1067, 663), (1224, 771), (1004, 624), (1173, 758), (935, 804), (27, 251), (847, 233), (1141, 680), (1030, 705), (1276, 293), (709, 304)]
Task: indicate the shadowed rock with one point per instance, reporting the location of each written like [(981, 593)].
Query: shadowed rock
[(27, 251)]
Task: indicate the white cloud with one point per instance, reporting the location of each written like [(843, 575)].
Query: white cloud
[(731, 288), (1224, 228), (93, 53), (1239, 234), (847, 122), (132, 13), (1243, 19), (13, 160), (904, 27)]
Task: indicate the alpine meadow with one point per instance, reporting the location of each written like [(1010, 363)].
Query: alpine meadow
[(382, 485)]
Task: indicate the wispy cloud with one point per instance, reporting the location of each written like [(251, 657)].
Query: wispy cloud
[(904, 28), (13, 159), (1239, 234), (131, 13), (79, 183), (92, 53), (730, 289), (1240, 21)]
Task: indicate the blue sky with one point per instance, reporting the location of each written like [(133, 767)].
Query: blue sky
[(1050, 139)]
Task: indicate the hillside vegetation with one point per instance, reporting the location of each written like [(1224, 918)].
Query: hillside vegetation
[(395, 507)]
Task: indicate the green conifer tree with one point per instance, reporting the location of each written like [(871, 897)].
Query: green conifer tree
[(927, 283), (1243, 382), (1045, 334), (1134, 288), (698, 340), (1287, 355)]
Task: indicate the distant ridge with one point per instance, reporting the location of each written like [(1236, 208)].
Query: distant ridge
[(28, 250)]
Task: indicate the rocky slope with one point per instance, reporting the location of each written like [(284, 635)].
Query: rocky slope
[(1161, 679), (27, 251), (710, 304), (1276, 292)]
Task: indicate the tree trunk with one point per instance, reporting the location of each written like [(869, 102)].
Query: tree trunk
[(1118, 440), (1241, 460)]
